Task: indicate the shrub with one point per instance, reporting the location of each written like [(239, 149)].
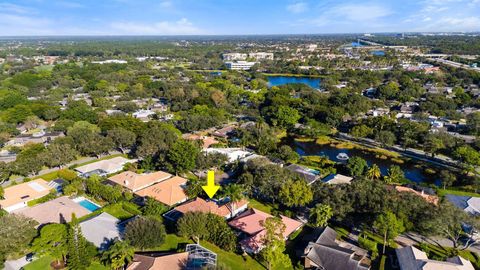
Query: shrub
[(68, 175), (145, 232), (369, 245)]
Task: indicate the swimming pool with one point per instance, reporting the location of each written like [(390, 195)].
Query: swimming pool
[(88, 205)]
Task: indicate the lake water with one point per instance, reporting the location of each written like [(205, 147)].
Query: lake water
[(412, 172), (282, 80)]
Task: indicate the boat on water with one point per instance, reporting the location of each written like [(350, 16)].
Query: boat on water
[(342, 156)]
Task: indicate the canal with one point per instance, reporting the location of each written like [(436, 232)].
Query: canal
[(413, 172)]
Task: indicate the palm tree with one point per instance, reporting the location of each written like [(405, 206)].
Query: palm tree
[(374, 172), (235, 193), (118, 255)]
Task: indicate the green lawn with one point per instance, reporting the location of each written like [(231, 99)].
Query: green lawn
[(119, 211), (97, 266), (232, 260), (43, 263), (40, 264), (48, 176), (443, 192), (172, 242), (260, 206)]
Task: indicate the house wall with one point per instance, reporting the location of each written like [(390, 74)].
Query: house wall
[(15, 207)]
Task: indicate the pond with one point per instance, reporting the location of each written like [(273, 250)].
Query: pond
[(282, 80), (412, 172)]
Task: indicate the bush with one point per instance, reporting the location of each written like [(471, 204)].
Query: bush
[(145, 232), (154, 208), (52, 195), (208, 227), (370, 246), (131, 208), (68, 175)]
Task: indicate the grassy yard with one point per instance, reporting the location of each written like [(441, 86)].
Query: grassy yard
[(443, 192), (39, 264), (43, 263), (121, 211), (48, 176), (260, 206), (232, 260), (172, 243)]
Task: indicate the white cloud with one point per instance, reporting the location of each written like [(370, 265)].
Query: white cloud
[(453, 24), (16, 25), (180, 27), (9, 7), (298, 7), (166, 4), (360, 12), (70, 4)]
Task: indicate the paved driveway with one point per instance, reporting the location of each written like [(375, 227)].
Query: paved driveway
[(16, 264)]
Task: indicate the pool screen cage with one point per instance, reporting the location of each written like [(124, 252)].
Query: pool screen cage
[(200, 257)]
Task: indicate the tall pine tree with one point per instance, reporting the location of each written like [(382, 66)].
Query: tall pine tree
[(78, 256)]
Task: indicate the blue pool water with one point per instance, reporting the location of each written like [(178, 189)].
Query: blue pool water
[(282, 80), (378, 53), (88, 205)]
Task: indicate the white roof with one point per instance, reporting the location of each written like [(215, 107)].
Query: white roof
[(101, 230), (411, 258), (335, 179), (108, 165), (233, 154)]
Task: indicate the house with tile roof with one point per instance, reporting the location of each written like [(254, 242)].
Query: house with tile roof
[(250, 224), (58, 210), (17, 197), (224, 209), (101, 230), (194, 257), (411, 258), (427, 197), (329, 253), (335, 179), (135, 182), (309, 175), (104, 167), (170, 191), (468, 204), (171, 261)]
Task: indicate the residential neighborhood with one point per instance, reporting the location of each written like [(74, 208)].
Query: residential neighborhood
[(231, 135)]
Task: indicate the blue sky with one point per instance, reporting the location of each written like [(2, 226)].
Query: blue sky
[(180, 17)]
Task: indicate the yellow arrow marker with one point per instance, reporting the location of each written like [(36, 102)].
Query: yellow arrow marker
[(211, 188)]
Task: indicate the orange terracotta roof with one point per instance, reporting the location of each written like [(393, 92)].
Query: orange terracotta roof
[(134, 181), (429, 198), (250, 222), (167, 262), (25, 192), (169, 192), (59, 210), (207, 141), (200, 205)]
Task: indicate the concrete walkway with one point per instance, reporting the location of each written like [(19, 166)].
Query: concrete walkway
[(16, 264)]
